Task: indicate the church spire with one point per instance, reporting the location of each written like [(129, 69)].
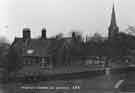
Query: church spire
[(113, 28), (113, 17)]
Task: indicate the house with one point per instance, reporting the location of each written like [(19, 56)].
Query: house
[(43, 51)]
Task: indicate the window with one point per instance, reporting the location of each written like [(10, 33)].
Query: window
[(30, 51), (27, 60)]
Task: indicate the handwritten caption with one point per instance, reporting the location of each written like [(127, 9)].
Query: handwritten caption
[(75, 87)]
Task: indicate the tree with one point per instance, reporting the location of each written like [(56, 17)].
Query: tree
[(95, 38), (130, 30)]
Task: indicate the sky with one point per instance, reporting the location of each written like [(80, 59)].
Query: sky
[(63, 16)]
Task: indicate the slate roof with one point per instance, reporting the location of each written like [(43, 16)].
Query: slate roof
[(40, 47), (37, 47)]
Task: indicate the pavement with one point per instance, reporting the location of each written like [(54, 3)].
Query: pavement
[(98, 84)]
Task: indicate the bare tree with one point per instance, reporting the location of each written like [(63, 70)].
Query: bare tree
[(97, 38), (130, 30)]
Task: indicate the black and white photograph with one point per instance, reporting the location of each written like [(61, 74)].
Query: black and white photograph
[(67, 46)]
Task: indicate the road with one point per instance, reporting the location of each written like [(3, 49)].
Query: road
[(97, 84)]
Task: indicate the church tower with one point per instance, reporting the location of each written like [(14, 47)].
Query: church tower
[(113, 28)]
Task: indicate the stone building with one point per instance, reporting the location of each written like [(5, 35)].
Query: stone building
[(43, 51)]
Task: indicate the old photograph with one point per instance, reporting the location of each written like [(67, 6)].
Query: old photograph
[(67, 46)]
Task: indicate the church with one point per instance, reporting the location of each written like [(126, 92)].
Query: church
[(113, 29)]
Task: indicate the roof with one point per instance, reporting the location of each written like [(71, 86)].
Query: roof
[(39, 47), (113, 18)]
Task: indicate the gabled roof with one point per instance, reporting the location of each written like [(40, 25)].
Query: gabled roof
[(39, 47)]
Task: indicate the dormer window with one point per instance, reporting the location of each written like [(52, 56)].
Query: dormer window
[(30, 51)]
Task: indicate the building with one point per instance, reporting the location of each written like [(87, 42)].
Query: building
[(113, 28), (43, 51)]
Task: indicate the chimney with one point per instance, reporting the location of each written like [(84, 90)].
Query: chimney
[(43, 33), (73, 35), (26, 33)]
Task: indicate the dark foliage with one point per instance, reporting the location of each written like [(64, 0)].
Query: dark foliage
[(122, 45)]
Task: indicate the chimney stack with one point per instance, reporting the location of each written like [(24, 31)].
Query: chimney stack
[(73, 35), (26, 33), (43, 33)]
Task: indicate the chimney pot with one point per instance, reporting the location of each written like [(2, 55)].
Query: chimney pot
[(73, 35), (43, 33), (26, 33)]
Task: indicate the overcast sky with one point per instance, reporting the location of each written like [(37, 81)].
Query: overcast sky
[(88, 16)]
